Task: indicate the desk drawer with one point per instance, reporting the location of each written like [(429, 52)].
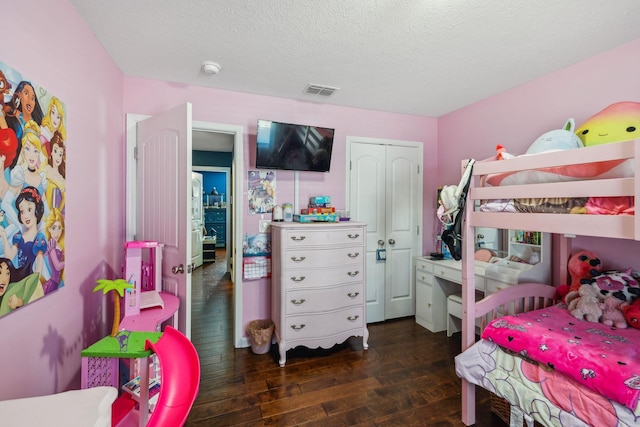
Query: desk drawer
[(447, 273), (494, 286), (424, 265), (424, 277), (455, 276)]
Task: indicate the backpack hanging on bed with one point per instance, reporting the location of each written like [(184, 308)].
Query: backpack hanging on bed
[(456, 199)]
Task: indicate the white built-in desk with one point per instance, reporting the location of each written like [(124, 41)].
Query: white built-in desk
[(435, 281)]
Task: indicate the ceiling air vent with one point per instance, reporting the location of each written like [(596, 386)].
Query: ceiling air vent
[(320, 90)]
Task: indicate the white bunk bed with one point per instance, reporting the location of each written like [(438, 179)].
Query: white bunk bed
[(537, 296)]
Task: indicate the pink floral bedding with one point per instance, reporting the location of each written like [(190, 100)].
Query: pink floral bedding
[(602, 358)]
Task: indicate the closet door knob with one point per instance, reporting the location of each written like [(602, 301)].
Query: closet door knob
[(392, 242)]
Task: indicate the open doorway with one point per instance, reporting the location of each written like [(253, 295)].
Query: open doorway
[(235, 252)]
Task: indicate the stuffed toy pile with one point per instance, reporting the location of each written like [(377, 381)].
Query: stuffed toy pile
[(609, 297)]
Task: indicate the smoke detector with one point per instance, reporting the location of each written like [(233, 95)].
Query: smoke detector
[(320, 90), (211, 68)]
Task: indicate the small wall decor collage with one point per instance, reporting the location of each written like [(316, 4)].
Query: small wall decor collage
[(33, 145)]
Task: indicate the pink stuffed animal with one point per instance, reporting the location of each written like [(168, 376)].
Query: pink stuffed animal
[(612, 313), (586, 306)]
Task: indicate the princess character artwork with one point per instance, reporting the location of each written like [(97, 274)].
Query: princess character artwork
[(27, 246), (55, 250)]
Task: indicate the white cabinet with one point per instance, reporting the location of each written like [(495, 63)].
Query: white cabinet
[(428, 315), (318, 284)]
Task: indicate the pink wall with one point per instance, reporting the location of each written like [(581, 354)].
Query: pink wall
[(219, 106), (41, 343), (517, 117)]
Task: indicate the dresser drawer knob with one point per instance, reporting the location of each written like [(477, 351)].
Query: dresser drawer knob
[(350, 255), (298, 238), (353, 236), (298, 301), (298, 279), (298, 259), (353, 294), (353, 318), (353, 273), (297, 327)]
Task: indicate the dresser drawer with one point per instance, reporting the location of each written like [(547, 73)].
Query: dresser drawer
[(323, 299), (308, 238), (323, 324), (308, 258), (307, 277)]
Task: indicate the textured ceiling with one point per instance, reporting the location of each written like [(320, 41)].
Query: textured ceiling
[(424, 57)]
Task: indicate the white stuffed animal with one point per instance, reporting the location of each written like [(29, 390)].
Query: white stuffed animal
[(558, 139)]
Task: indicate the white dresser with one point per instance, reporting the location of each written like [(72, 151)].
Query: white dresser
[(318, 284)]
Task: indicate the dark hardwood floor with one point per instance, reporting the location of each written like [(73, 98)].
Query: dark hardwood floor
[(405, 378)]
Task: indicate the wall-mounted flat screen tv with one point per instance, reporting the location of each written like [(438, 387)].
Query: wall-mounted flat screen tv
[(293, 147)]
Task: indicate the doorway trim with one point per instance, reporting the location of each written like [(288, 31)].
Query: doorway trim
[(235, 202)]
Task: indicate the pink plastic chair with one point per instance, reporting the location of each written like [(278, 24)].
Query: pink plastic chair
[(180, 376)]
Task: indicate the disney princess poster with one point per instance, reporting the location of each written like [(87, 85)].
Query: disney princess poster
[(261, 192), (32, 191)]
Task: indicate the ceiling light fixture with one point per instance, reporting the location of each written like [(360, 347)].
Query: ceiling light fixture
[(211, 68)]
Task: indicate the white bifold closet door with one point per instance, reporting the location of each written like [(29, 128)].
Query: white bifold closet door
[(385, 191)]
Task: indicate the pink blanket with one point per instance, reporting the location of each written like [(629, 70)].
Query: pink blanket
[(602, 358)]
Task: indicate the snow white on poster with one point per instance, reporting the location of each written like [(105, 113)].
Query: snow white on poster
[(32, 191)]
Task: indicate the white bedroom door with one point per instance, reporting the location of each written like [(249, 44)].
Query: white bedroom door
[(163, 202), (385, 191)]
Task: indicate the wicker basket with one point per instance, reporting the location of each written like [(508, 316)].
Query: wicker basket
[(502, 409)]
